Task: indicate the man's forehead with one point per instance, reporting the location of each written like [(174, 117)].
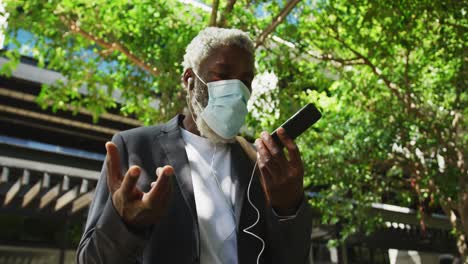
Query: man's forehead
[(228, 57), (224, 54)]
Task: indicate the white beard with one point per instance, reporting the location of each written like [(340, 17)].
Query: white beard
[(198, 100)]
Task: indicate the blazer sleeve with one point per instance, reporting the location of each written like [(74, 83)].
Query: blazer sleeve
[(290, 238), (106, 238)]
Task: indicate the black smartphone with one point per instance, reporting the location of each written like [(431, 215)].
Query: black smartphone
[(299, 122)]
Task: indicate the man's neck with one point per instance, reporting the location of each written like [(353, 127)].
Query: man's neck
[(189, 124)]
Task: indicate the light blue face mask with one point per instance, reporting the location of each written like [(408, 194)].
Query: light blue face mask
[(227, 106)]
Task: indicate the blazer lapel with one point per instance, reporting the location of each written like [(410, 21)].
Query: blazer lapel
[(174, 148), (248, 247), (241, 170)]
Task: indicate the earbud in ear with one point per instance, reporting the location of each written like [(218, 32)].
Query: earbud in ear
[(190, 80)]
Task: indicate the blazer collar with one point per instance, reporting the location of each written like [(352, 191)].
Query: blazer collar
[(241, 171), (173, 124), (174, 147)]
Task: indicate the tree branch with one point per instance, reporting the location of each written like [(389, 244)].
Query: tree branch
[(276, 21), (214, 13), (299, 50), (230, 6), (392, 86), (330, 57), (407, 80), (112, 46)]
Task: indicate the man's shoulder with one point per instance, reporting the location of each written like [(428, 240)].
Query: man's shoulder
[(145, 135), (139, 138), (142, 131)]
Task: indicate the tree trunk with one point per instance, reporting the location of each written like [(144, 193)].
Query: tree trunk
[(458, 215), (462, 245), (462, 239)]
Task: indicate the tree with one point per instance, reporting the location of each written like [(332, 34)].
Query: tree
[(388, 76), (396, 128)]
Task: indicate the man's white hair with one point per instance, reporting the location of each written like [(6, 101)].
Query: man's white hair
[(211, 38)]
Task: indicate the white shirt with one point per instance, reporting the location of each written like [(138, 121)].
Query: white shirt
[(214, 193)]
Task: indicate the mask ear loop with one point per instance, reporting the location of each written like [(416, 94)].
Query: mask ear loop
[(199, 77), (187, 98), (246, 230)]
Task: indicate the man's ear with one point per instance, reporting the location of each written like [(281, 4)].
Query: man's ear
[(188, 74)]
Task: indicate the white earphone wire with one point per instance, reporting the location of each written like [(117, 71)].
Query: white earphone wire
[(246, 230)]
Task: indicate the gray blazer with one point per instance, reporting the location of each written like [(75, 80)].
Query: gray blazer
[(175, 239)]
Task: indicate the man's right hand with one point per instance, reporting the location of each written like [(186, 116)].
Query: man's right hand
[(137, 209)]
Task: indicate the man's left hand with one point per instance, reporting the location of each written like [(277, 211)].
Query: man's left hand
[(282, 179)]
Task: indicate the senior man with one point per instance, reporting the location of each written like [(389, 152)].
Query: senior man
[(186, 191)]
